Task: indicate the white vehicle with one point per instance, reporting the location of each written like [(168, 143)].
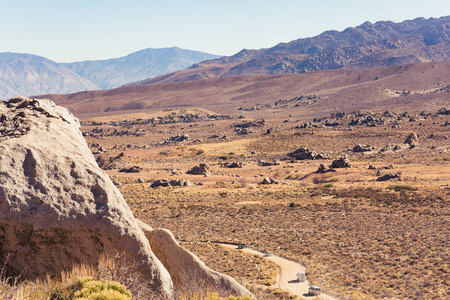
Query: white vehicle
[(315, 290), (301, 276), (267, 254)]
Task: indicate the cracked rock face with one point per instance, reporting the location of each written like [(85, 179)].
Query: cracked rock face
[(57, 207)]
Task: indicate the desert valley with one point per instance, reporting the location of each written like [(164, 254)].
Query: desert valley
[(332, 152)]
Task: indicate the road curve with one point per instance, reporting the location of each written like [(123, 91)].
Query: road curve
[(288, 270)]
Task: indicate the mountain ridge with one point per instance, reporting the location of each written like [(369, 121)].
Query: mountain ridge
[(383, 43), (29, 74)]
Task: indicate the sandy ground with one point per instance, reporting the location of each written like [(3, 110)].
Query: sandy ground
[(287, 279)]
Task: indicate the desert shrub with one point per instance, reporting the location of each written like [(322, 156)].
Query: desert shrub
[(209, 296), (401, 187), (100, 290)]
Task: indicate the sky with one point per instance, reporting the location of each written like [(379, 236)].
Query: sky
[(77, 30)]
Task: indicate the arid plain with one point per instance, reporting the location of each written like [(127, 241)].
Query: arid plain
[(375, 227)]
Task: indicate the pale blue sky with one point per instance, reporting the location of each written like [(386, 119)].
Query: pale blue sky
[(74, 30)]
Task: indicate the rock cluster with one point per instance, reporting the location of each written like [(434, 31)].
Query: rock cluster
[(303, 153), (202, 169), (172, 182)]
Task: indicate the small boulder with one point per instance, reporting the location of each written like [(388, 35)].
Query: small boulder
[(269, 180), (342, 162)]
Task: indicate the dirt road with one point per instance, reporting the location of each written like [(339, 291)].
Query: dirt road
[(287, 279)]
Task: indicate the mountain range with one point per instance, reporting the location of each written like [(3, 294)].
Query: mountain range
[(384, 43), (27, 74), (368, 45)]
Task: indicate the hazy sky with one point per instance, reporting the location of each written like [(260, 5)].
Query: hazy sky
[(74, 30)]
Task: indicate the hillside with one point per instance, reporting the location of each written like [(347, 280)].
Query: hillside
[(420, 86), (368, 45), (27, 74)]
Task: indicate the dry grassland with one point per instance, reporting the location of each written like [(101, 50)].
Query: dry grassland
[(359, 238)]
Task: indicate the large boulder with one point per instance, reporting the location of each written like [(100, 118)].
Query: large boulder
[(57, 207), (412, 140)]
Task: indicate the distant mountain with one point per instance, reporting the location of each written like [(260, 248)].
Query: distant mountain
[(136, 66), (27, 74), (384, 43)]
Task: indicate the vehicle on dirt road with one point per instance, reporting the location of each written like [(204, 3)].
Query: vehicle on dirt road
[(315, 290), (301, 276)]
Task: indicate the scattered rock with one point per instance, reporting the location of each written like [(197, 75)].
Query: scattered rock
[(133, 169), (268, 163), (363, 148), (233, 165), (389, 176), (173, 182), (180, 138), (322, 169), (160, 182)]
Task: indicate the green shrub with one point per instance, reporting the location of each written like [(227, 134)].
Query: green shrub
[(100, 290)]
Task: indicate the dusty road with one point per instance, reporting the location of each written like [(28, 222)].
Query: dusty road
[(287, 279)]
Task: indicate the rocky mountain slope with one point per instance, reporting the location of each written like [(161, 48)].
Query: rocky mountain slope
[(27, 74), (369, 45)]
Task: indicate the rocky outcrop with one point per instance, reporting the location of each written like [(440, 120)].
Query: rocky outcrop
[(342, 162), (363, 148), (232, 165), (389, 176), (186, 269), (57, 207), (202, 169), (268, 163), (173, 182), (133, 169), (304, 153), (412, 140)]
